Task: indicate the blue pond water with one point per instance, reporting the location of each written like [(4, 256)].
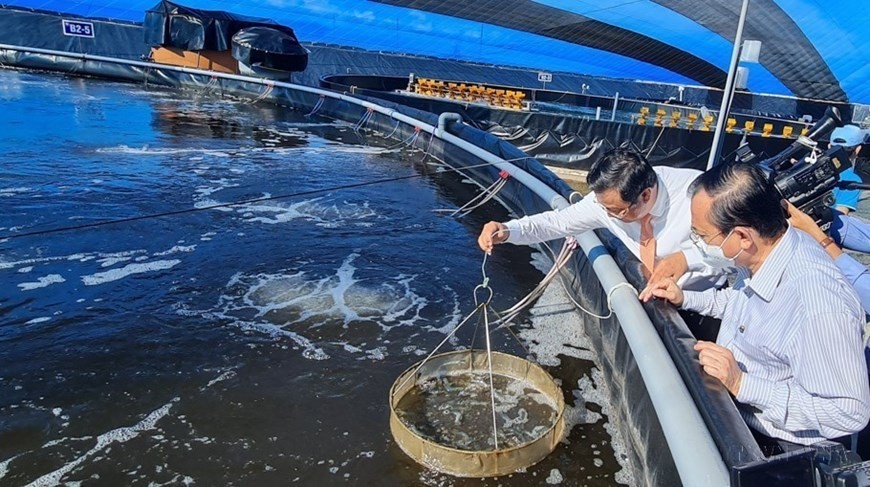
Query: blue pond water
[(244, 345)]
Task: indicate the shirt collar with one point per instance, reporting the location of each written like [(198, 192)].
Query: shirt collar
[(765, 281), (663, 199)]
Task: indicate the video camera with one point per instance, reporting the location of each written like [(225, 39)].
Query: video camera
[(805, 175)]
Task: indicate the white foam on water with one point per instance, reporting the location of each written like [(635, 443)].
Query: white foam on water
[(81, 257), (309, 350), (4, 465), (224, 376), (128, 270), (118, 435), (316, 210), (555, 477), (176, 249), (109, 262), (38, 320), (42, 282), (25, 270), (292, 304), (298, 298), (556, 329), (145, 150), (6, 192)]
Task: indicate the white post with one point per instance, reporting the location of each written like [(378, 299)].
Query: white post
[(728, 92), (598, 113), (615, 103)]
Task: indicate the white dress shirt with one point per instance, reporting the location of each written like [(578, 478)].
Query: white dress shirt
[(671, 220), (795, 329)]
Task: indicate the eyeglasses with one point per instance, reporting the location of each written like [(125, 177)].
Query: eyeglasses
[(618, 215), (697, 239)]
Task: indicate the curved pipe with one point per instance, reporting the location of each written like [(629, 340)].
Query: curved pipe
[(443, 119), (694, 452)]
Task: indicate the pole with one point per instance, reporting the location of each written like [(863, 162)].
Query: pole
[(728, 92), (615, 103)]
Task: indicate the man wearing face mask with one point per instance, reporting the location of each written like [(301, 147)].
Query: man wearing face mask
[(646, 208), (790, 346)]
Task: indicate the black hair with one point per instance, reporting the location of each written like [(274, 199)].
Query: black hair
[(626, 171), (742, 196)]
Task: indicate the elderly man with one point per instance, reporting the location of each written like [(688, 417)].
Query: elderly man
[(790, 348), (645, 207)]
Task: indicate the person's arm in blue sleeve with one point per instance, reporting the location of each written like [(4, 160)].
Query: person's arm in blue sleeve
[(858, 276), (855, 272), (851, 233), (847, 199)]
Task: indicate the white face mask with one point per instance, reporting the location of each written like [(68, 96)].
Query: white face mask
[(713, 255)]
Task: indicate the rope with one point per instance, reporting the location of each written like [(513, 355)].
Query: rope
[(429, 147), (653, 146), (317, 106), (409, 141), (568, 248), (390, 136), (208, 88), (364, 120), (609, 295), (489, 364), (482, 198), (265, 94), (432, 353)]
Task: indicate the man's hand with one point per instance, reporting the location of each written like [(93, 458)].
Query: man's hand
[(666, 289), (673, 266), (493, 233), (719, 362), (802, 221)]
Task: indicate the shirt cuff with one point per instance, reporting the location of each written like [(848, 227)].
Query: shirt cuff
[(691, 300), (514, 230), (851, 268), (755, 391)]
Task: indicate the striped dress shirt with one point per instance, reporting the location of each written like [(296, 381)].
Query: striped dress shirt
[(795, 329)]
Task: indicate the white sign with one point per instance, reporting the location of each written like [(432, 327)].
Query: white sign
[(78, 28), (545, 77)]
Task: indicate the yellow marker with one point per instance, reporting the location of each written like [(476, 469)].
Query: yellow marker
[(730, 124), (766, 130)]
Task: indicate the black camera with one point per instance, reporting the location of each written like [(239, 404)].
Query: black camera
[(803, 176)]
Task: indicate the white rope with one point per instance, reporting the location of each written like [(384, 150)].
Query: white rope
[(317, 106), (491, 386), (452, 332), (487, 194), (653, 146), (265, 94), (568, 249)]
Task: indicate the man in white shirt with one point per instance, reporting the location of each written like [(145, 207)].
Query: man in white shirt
[(647, 208), (790, 347)]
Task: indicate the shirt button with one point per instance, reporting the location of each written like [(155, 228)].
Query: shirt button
[(741, 328)]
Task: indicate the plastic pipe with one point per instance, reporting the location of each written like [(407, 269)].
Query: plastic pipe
[(444, 118)]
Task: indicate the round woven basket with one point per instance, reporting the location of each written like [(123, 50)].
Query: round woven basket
[(464, 463)]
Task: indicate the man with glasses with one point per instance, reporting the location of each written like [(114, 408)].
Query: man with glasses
[(790, 346), (647, 208)]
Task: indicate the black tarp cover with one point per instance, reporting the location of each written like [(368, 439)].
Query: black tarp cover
[(172, 25), (269, 48)]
